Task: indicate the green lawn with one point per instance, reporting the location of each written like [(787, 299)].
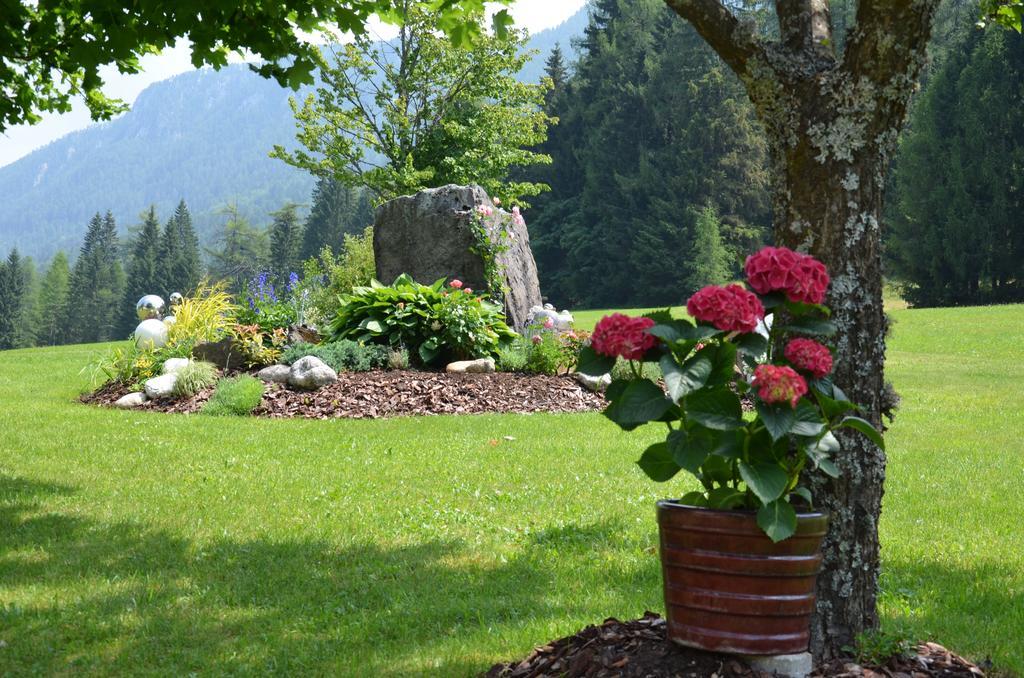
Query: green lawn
[(138, 543)]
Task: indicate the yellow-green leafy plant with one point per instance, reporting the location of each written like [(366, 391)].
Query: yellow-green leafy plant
[(206, 315), (193, 378), (257, 347)]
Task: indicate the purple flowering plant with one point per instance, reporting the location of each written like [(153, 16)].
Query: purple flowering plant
[(265, 307)]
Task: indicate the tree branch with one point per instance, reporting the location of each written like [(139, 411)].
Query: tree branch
[(806, 26), (734, 41), (888, 38)]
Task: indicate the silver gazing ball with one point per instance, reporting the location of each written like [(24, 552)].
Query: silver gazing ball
[(150, 307), (176, 299)]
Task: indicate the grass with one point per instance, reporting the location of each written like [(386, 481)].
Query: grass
[(139, 543)]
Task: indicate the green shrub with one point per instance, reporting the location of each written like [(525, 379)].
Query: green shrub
[(398, 359), (435, 323), (237, 396), (193, 378), (513, 358), (328, 276), (342, 355), (546, 355)]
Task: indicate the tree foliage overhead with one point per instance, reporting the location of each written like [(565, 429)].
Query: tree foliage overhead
[(52, 52), (418, 112)]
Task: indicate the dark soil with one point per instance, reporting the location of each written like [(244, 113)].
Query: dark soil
[(378, 394), (639, 649)]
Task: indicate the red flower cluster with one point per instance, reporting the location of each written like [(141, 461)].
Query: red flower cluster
[(801, 277), (730, 309), (620, 335), (809, 356), (779, 384)]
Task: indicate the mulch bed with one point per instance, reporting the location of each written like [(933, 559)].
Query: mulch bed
[(640, 649), (378, 394)]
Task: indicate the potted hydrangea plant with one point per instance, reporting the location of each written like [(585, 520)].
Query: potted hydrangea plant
[(748, 409)]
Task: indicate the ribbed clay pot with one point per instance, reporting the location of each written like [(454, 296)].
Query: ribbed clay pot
[(729, 588)]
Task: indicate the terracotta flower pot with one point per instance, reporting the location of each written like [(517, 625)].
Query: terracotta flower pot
[(729, 588)]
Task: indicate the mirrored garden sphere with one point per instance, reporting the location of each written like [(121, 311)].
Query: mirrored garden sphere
[(151, 334), (176, 299), (169, 320), (149, 307)]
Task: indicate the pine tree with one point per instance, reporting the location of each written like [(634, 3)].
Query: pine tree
[(709, 260), (285, 241), (96, 288), (242, 253), (12, 300), (145, 269), (26, 334), (53, 301), (181, 269), (337, 210)]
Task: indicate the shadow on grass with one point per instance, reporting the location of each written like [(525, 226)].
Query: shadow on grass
[(976, 611), (79, 595)]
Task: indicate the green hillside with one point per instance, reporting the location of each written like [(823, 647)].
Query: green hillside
[(156, 544)]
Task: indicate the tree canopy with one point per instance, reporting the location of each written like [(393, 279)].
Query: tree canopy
[(52, 52)]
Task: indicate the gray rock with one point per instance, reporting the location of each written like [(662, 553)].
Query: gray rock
[(172, 365), (595, 384), (161, 387), (479, 366), (311, 373), (221, 353), (784, 665), (275, 374), (132, 400), (428, 236)]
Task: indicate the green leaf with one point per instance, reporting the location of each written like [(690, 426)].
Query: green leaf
[(804, 494), (864, 427), (682, 380), (767, 481), (808, 421), (777, 418), (639, 402), (772, 299), (718, 409), (666, 333), (752, 344), (372, 326), (689, 449), (777, 519), (725, 498), (729, 444), (594, 364), (657, 463), (694, 498), (717, 470), (661, 316), (813, 326), (427, 353), (723, 363)]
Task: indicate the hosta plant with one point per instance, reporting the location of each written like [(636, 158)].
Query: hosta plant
[(727, 356)]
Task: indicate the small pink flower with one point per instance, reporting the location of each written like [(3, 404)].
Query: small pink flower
[(496, 200), (517, 217), (484, 210), (549, 323), (468, 290), (456, 284), (535, 339)]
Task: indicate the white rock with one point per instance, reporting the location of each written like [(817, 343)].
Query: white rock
[(162, 386), (797, 665), (311, 373), (275, 374), (172, 365), (132, 400), (481, 365), (595, 384)]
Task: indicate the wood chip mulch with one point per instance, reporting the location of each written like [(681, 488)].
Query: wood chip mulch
[(640, 649), (378, 394)]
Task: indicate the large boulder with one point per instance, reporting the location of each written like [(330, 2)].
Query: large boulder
[(429, 236), (311, 373)]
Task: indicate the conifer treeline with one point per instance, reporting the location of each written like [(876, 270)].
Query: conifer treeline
[(94, 300)]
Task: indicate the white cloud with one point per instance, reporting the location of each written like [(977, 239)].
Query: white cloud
[(534, 15)]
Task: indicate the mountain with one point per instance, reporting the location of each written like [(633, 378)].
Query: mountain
[(202, 136)]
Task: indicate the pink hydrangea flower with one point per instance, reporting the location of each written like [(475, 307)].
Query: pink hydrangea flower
[(730, 309), (779, 269), (618, 335), (779, 384), (455, 284), (549, 323), (809, 356)]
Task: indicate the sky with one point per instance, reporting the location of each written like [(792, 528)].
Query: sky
[(534, 15)]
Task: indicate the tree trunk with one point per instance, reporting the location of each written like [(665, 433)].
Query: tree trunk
[(832, 126)]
